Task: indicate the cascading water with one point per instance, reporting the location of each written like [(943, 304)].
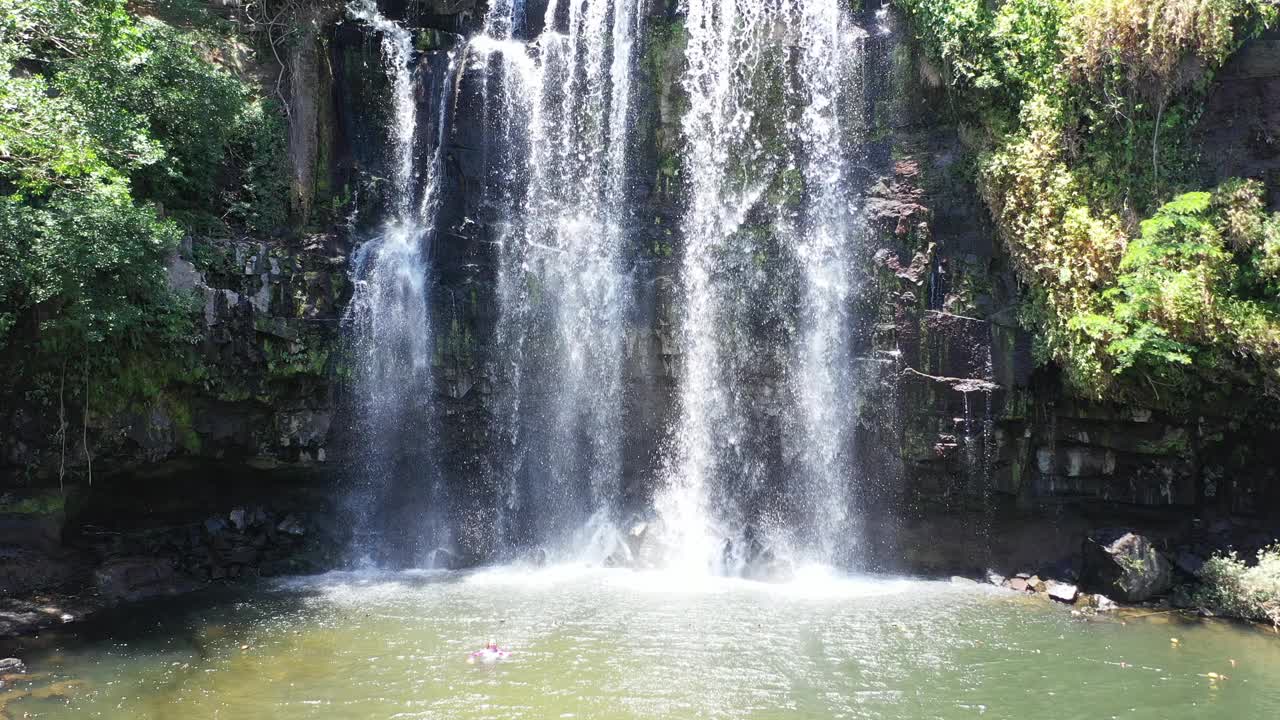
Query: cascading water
[(563, 287), (826, 236), (760, 462), (400, 504), (725, 48), (767, 143)]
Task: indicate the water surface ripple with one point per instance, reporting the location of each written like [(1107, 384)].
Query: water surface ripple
[(623, 644)]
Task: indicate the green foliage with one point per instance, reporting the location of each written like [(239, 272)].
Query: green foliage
[(112, 126), (1229, 586), (1192, 299), (998, 52), (286, 359), (260, 201), (89, 262), (1086, 109), (159, 91)]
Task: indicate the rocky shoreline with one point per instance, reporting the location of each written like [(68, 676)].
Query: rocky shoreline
[(96, 567)]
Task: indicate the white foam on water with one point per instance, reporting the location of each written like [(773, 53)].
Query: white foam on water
[(529, 576), (809, 582), (366, 586)]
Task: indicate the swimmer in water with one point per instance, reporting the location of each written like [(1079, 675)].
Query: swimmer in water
[(489, 654)]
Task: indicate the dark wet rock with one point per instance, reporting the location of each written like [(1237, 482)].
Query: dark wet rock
[(137, 578), (241, 555), (1065, 569), (1189, 563), (445, 559), (31, 552), (239, 518), (1125, 565), (256, 517), (291, 525), (25, 570)]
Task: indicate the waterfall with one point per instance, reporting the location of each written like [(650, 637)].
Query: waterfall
[(768, 237), (758, 473), (827, 234), (561, 109), (400, 502)]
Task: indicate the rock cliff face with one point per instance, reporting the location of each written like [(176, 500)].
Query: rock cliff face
[(994, 452), (968, 439)]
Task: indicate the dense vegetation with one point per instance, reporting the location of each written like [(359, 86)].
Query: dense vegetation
[(118, 133), (1084, 113), (1230, 586)]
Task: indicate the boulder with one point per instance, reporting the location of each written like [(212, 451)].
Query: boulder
[(136, 578), (1125, 565), (290, 525), (12, 666), (1062, 592), (1097, 603)]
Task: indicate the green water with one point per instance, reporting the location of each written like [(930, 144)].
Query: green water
[(621, 644)]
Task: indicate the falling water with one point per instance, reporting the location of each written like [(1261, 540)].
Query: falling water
[(399, 503), (725, 40), (563, 286), (766, 146), (829, 229), (760, 461)]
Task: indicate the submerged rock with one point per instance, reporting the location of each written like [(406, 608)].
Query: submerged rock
[(1125, 565), (1095, 603)]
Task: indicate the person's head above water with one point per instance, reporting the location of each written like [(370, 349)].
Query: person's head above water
[(493, 644)]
